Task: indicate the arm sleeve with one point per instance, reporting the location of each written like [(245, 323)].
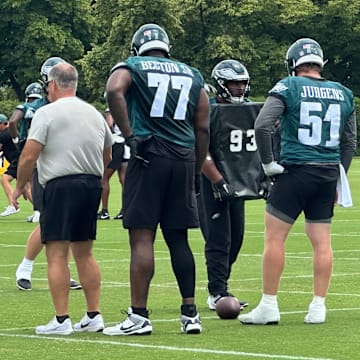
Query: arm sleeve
[(348, 141), (264, 127)]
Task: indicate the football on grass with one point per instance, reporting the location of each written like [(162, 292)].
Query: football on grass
[(228, 307)]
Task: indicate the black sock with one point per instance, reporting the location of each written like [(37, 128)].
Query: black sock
[(104, 210), (61, 318), (188, 310), (140, 311), (92, 314)]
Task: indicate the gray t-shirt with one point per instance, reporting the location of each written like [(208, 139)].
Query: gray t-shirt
[(74, 135)]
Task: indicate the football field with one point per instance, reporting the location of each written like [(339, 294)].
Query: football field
[(338, 338)]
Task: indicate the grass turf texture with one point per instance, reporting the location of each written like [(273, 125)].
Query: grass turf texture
[(338, 338)]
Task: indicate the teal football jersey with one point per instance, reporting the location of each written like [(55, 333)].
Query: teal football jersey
[(29, 110), (163, 98), (316, 111)]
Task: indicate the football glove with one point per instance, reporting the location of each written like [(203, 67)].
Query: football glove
[(135, 143), (273, 168), (223, 191), (265, 187)]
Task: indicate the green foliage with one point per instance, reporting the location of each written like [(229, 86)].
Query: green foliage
[(7, 107), (121, 19), (35, 30), (357, 107)]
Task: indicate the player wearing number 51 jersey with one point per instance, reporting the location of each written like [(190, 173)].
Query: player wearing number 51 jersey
[(315, 117), (162, 109), (318, 133)]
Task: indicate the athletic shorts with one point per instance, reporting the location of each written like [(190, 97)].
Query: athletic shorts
[(308, 189), (160, 193), (37, 191), (70, 208), (120, 154), (12, 169)]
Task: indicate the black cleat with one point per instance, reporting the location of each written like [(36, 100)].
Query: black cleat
[(23, 284), (74, 285)]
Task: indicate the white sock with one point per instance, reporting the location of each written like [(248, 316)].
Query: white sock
[(318, 300), (24, 270), (269, 299), (27, 263)]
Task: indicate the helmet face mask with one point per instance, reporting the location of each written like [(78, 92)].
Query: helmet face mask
[(34, 90), (232, 81), (46, 67), (303, 51), (150, 37)]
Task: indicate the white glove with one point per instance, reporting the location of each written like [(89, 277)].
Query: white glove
[(272, 168)]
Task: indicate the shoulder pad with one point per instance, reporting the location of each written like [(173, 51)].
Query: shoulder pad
[(118, 66), (20, 107)]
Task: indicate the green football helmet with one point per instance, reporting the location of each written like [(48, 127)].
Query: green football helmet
[(230, 70), (34, 90), (303, 51), (46, 67), (150, 37)]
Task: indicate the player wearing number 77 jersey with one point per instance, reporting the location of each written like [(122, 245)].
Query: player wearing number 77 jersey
[(318, 132), (162, 109)]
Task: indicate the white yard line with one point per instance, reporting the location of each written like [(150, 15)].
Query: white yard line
[(167, 348)]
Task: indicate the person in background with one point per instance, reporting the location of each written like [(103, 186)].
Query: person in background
[(18, 129), (162, 110), (20, 122), (23, 115), (118, 163), (223, 233), (11, 153), (72, 190), (318, 133)]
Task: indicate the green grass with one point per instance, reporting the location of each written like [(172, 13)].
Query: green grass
[(20, 311)]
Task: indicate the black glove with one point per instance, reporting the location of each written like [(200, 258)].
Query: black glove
[(197, 184), (135, 143), (265, 187), (223, 191)]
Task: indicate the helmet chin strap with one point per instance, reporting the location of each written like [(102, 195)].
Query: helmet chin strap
[(236, 99)]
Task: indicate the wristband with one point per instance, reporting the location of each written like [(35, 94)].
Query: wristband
[(15, 140)]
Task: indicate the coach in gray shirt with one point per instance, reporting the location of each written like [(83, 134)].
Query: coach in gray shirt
[(70, 141)]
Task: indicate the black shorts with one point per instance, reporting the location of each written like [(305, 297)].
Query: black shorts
[(118, 158), (70, 208), (161, 193), (37, 191), (12, 169), (307, 189)]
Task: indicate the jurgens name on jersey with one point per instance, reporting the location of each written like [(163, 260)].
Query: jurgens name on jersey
[(167, 67), (321, 93)]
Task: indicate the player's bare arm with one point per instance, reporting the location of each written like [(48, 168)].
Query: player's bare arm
[(116, 88), (210, 170), (202, 133), (16, 116)]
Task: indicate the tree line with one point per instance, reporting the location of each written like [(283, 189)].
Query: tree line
[(96, 34)]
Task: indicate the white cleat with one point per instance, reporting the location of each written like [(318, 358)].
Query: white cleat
[(261, 315), (55, 328), (190, 325), (90, 325), (10, 210), (134, 324), (316, 314)]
